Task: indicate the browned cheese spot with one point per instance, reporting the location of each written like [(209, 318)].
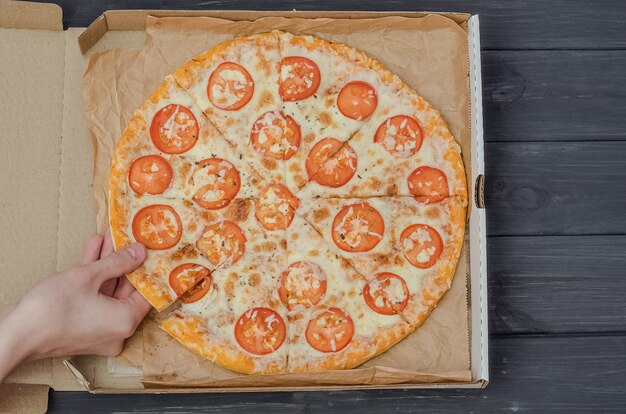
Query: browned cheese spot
[(269, 163), (314, 253), (188, 251), (255, 279), (283, 244), (229, 285), (320, 214), (433, 213), (324, 118), (238, 210), (268, 246)]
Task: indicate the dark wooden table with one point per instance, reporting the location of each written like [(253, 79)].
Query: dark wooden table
[(554, 79)]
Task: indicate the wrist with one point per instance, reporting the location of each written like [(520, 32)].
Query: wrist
[(14, 345)]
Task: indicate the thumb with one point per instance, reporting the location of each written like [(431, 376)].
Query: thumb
[(119, 263)]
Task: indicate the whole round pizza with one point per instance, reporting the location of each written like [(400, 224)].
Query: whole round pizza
[(303, 207)]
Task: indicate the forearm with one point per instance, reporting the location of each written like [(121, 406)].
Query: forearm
[(14, 344)]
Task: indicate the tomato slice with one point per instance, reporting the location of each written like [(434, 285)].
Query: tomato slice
[(230, 86), (275, 135), (331, 163), (358, 227), (219, 183), (421, 245), (198, 291), (386, 294), (302, 284), (276, 207), (185, 276), (428, 185), (174, 129), (157, 226), (330, 330), (300, 78), (222, 242), (260, 331), (357, 100), (400, 135), (150, 174)]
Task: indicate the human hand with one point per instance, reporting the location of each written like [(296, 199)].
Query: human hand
[(88, 309)]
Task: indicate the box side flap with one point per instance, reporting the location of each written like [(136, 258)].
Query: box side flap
[(31, 103), (478, 236), (23, 398), (29, 15), (136, 19)]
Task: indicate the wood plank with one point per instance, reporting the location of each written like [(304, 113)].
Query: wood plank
[(522, 24), (555, 188), (530, 374), (557, 284), (554, 95)]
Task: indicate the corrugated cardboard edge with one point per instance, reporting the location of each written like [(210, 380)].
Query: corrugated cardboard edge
[(23, 398), (136, 19), (478, 247), (33, 16)]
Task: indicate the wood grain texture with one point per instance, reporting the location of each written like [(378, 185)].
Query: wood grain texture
[(529, 374), (554, 95), (557, 284), (522, 24), (555, 188)]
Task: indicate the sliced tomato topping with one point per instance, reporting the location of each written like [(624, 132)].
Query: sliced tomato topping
[(421, 245), (357, 100), (331, 163), (300, 78), (302, 284), (185, 276), (150, 174), (230, 86), (174, 129), (400, 135), (386, 294), (198, 291), (358, 228), (275, 135), (428, 185), (260, 331), (157, 226), (330, 330), (217, 181), (222, 242), (276, 207)]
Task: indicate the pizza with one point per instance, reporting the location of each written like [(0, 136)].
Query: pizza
[(303, 208)]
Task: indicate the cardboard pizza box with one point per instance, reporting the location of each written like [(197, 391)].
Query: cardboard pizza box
[(48, 210)]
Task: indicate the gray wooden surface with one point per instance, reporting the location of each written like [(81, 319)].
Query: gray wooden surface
[(554, 88)]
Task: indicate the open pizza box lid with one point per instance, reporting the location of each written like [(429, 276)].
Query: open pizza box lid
[(48, 210)]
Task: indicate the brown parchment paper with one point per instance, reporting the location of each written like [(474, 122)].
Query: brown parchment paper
[(429, 53)]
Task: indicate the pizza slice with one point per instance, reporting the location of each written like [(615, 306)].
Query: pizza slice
[(405, 149), (239, 322), (236, 85), (169, 228), (170, 149), (331, 325), (406, 251), (330, 90)]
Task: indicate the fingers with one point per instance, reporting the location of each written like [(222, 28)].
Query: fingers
[(124, 288), (119, 263), (107, 245), (92, 249), (139, 306), (109, 287)]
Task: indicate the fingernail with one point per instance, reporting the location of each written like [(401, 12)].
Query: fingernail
[(135, 250)]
